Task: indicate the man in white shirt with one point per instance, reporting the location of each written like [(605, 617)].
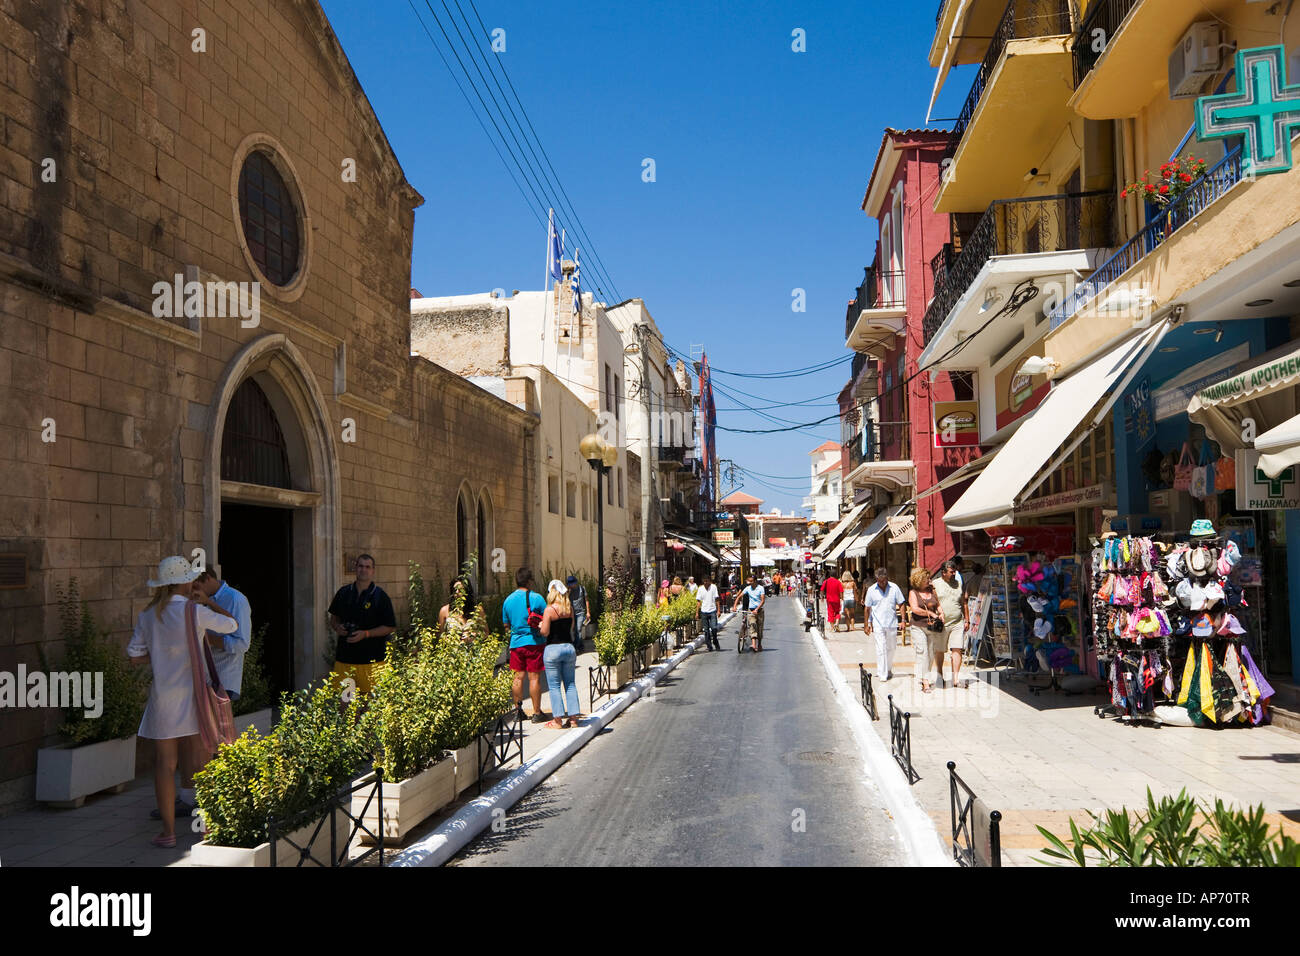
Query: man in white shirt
[(707, 611), (883, 603)]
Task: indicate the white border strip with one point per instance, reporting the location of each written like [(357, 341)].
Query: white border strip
[(469, 821)]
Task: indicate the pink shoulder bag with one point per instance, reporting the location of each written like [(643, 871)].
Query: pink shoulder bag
[(212, 703)]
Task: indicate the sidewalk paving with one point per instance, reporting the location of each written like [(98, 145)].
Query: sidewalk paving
[(1044, 759), (115, 829)]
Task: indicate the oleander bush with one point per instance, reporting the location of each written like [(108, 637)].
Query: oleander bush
[(90, 648), (1174, 832)]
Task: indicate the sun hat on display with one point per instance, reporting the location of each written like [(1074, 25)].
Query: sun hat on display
[(1213, 593), (1202, 528), (1199, 561), (1230, 625), (1174, 564), (174, 570), (1229, 555), (1202, 626)]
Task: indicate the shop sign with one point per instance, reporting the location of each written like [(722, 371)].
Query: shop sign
[(1171, 398), (1017, 395), (1088, 497), (1138, 421), (724, 536), (956, 424), (1272, 373), (1265, 110), (902, 530), (1256, 491)]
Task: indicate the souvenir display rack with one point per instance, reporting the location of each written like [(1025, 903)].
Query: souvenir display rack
[(1168, 634), (1006, 624)]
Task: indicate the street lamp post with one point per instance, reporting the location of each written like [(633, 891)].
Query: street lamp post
[(602, 456)]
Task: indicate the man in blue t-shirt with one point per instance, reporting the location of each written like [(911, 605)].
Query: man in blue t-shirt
[(521, 613), (753, 597)]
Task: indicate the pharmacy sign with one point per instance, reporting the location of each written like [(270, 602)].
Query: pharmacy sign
[(1264, 110)]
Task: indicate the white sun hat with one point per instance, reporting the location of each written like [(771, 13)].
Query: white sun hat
[(555, 585), (174, 570)]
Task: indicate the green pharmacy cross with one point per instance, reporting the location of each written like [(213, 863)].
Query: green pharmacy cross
[(1264, 110), (1276, 486)]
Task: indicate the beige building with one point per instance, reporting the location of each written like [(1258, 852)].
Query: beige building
[(277, 437), (564, 368)]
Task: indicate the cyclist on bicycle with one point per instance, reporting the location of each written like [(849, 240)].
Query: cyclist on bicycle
[(753, 596)]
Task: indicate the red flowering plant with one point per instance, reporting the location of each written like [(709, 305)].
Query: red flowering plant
[(1176, 177)]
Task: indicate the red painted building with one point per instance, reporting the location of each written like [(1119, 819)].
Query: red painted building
[(894, 448)]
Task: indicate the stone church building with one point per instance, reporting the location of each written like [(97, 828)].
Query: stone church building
[(205, 256)]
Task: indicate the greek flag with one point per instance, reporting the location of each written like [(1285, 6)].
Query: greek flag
[(577, 282), (553, 247)]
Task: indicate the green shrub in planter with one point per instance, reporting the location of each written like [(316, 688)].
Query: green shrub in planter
[(313, 751), (91, 649), (478, 694), (611, 638), (409, 711), (681, 610), (254, 688)]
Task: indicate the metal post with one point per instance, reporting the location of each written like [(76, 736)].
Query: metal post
[(600, 537)]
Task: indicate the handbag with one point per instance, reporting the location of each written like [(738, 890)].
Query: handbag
[(211, 702), (1183, 470), (1202, 485), (1225, 473)]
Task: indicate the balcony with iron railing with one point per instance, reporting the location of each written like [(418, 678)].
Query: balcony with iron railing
[(1100, 25), (885, 441), (1164, 223), (1021, 227)]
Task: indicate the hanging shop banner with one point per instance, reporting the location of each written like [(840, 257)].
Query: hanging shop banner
[(956, 424), (1170, 399), (1017, 395), (724, 536), (1256, 491), (1089, 497), (902, 530), (1139, 423)]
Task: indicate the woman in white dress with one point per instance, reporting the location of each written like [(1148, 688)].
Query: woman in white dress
[(162, 641)]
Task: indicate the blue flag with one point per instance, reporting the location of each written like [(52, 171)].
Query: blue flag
[(553, 247)]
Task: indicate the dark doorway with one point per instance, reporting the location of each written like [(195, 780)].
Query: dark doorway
[(255, 549)]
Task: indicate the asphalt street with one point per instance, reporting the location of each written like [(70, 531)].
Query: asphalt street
[(735, 760)]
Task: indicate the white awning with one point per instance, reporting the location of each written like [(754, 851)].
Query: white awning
[(1280, 447), (964, 473), (991, 500), (695, 544), (847, 524), (1266, 393), (856, 546)]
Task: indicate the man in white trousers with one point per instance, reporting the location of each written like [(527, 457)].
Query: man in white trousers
[(883, 603)]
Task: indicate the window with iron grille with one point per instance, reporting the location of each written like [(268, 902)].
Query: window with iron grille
[(269, 218), (252, 446)]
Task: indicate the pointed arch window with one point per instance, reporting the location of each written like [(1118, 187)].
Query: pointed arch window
[(253, 449)]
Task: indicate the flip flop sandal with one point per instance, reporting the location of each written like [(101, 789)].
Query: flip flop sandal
[(164, 842), (555, 725)]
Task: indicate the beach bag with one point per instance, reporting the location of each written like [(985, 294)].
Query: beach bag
[(1183, 470), (211, 702), (1203, 474), (1225, 473)]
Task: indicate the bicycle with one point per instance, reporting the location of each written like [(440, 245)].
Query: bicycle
[(743, 633)]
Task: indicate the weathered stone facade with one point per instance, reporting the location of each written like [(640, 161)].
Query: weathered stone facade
[(147, 135)]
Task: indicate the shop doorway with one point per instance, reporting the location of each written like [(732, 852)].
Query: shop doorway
[(256, 548)]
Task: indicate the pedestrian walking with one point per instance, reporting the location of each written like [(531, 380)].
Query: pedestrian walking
[(849, 600), (881, 606), (161, 640), (691, 585), (361, 614), (581, 615), (521, 613), (956, 615), (706, 596), (560, 657), (923, 609), (663, 598), (833, 591)]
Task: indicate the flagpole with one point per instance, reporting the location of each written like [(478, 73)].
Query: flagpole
[(546, 280)]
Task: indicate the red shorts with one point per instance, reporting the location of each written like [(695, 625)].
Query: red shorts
[(527, 658)]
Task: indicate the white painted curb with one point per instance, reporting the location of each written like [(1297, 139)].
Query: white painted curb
[(920, 837), (454, 834)]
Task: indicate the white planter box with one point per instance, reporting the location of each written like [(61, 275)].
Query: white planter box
[(409, 802), (261, 719), (65, 775), (205, 854), (467, 764)]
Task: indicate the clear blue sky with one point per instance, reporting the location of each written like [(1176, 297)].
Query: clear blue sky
[(762, 155)]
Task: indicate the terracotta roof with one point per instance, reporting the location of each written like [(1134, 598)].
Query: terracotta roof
[(740, 498), (825, 446), (831, 466)]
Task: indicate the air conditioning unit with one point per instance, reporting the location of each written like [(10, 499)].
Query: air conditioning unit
[(1197, 57)]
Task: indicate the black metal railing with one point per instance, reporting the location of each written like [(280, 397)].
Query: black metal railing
[(1020, 227), (600, 682), (976, 830), (1104, 20), (900, 740), (1023, 19), (334, 813), (1218, 180), (885, 441), (879, 290), (868, 692)]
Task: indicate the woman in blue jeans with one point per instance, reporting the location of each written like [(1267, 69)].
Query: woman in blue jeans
[(560, 658)]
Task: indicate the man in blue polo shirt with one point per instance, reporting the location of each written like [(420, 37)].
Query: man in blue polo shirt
[(521, 613)]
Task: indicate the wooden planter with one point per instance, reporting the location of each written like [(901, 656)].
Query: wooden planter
[(205, 854), (467, 764), (409, 802), (66, 775)]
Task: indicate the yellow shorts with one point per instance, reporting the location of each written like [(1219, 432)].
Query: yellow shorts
[(363, 674)]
